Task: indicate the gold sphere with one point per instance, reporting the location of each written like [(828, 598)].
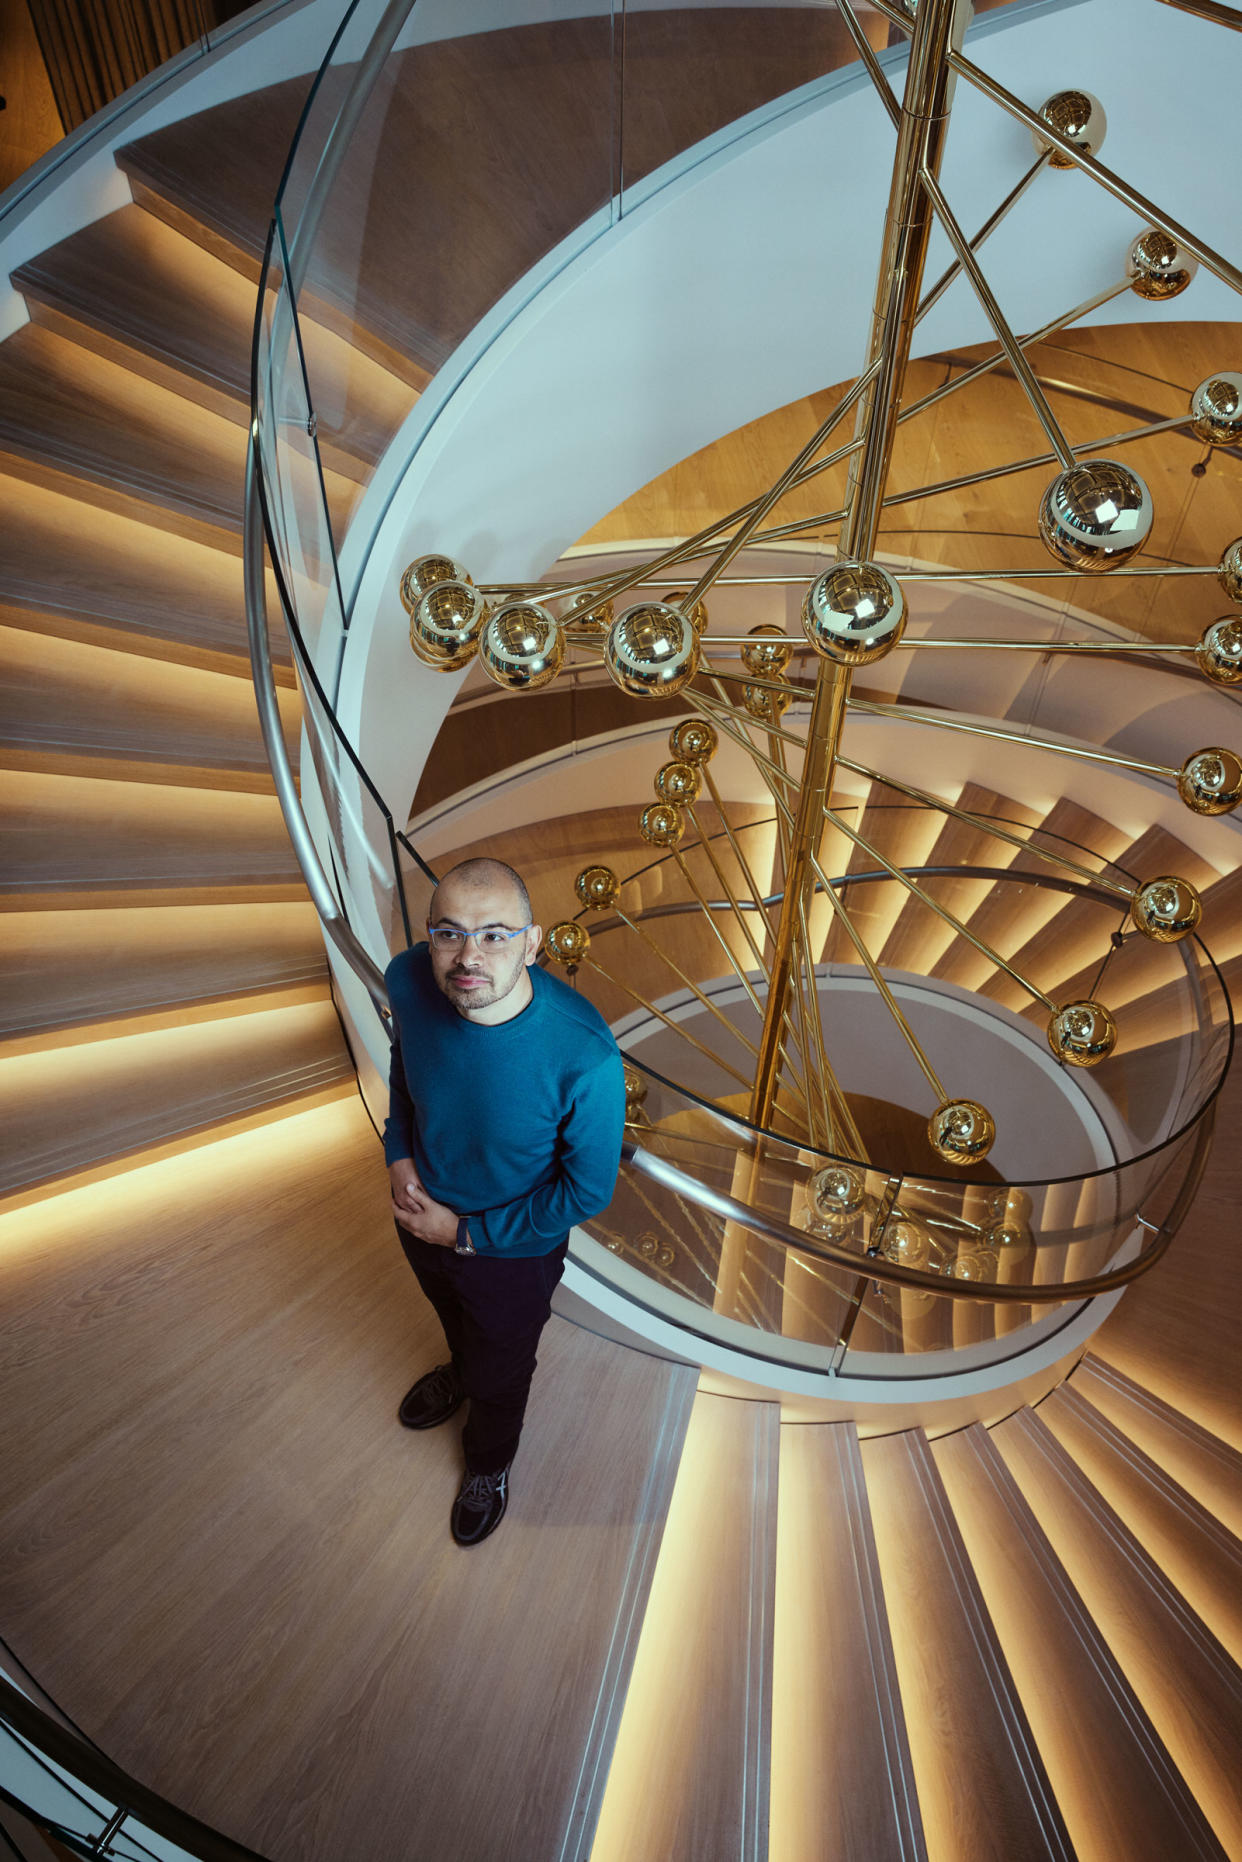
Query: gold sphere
[(961, 1131), (1216, 409), (446, 624), (522, 647), (1210, 781), (424, 573), (590, 620), (1166, 909), (1007, 1237), (693, 741), (906, 1243), (973, 1264), (768, 707), (652, 651), (661, 825), (1082, 1033), (567, 943), (1013, 1205), (635, 1095), (1158, 267), (698, 614), (854, 613), (678, 782), (1095, 515), (1079, 117), (597, 888), (835, 1193), (771, 652), (1219, 652), (1229, 574)]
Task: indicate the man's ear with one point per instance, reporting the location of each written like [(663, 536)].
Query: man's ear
[(534, 938)]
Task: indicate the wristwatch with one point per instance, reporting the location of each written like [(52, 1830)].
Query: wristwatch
[(464, 1244)]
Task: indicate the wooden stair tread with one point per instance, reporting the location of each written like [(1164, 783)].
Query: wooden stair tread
[(1204, 1465), (62, 700), (258, 1340), (62, 969), (63, 835), (71, 1109)]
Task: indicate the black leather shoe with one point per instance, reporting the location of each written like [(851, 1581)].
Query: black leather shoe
[(434, 1398), (479, 1506)]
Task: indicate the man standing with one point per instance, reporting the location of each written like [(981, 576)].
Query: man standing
[(505, 1119)]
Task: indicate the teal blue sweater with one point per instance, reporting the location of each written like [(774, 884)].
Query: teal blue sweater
[(517, 1126)]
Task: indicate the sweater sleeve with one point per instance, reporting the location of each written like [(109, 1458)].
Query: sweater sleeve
[(585, 1175), (399, 1125)]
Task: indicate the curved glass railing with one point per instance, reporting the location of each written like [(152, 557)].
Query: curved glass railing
[(409, 231)]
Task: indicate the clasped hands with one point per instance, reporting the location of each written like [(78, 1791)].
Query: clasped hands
[(418, 1211)]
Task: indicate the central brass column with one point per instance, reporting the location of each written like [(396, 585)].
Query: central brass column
[(939, 26)]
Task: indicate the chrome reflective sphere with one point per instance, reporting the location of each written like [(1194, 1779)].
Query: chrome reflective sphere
[(961, 1131), (693, 741), (661, 825), (678, 782), (906, 1243), (424, 573), (1219, 652), (522, 647), (1158, 267), (446, 624), (1095, 515), (597, 888), (698, 614), (1080, 118), (1082, 1033), (768, 707), (771, 652), (1229, 574), (596, 620), (835, 1193), (854, 613), (1210, 781), (1166, 909), (1216, 409), (567, 943), (652, 651)]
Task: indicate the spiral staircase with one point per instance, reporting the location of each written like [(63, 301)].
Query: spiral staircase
[(713, 1624)]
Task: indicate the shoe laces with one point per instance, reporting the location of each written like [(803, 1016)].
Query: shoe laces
[(443, 1382), (478, 1489)]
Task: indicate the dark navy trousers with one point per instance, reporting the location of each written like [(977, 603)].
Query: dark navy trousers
[(492, 1310)]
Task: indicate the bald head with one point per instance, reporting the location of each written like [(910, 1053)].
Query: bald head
[(470, 879)]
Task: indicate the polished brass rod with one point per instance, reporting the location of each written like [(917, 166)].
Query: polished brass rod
[(756, 894), (942, 912), (862, 45), (941, 722), (678, 1028), (987, 826), (705, 846), (988, 473), (896, 15), (718, 934), (890, 1001), (845, 1116), (1210, 10), (908, 641), (1121, 190), (680, 974), (989, 226), (722, 715), (819, 1115), (996, 317)]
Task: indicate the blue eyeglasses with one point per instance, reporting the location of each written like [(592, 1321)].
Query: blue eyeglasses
[(491, 937)]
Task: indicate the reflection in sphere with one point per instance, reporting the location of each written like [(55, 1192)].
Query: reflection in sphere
[(568, 942), (677, 782), (1230, 573), (635, 1094), (1013, 1205), (446, 624), (1158, 267), (1082, 1033), (1166, 909), (973, 1264), (587, 620), (771, 652), (597, 888), (1095, 515), (1080, 118), (1216, 409), (854, 613), (698, 614), (652, 651), (1210, 781), (662, 824), (906, 1243), (768, 707), (835, 1193), (424, 573), (1007, 1237), (522, 647), (961, 1131), (1219, 652), (693, 741)]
